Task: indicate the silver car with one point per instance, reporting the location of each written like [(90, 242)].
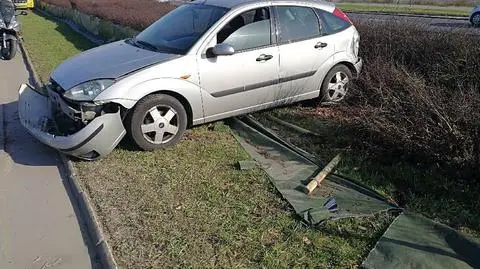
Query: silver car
[(202, 62), (475, 16)]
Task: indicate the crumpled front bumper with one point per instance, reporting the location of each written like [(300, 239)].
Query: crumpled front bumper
[(97, 139)]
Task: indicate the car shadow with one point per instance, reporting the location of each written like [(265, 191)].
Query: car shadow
[(22, 148)]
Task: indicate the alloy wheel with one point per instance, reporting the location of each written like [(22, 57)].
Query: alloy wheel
[(476, 20), (160, 124), (338, 86)]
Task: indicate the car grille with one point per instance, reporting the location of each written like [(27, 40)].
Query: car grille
[(19, 1)]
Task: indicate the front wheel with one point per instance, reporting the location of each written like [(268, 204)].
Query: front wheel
[(10, 50), (157, 121), (336, 83), (476, 19)]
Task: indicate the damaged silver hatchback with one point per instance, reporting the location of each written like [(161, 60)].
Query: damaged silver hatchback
[(222, 58)]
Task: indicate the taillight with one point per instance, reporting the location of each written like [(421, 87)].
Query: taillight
[(340, 14)]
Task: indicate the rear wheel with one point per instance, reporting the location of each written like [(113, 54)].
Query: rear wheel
[(476, 19), (10, 50), (157, 121), (336, 83)]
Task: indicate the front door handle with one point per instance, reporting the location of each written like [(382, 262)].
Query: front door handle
[(264, 57), (320, 45)]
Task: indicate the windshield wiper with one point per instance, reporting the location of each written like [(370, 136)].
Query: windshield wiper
[(144, 44)]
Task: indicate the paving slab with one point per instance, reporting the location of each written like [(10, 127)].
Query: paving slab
[(39, 227)]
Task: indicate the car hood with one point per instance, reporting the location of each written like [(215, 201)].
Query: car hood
[(109, 61)]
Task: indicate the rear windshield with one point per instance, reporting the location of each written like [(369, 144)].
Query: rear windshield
[(180, 29), (332, 23)]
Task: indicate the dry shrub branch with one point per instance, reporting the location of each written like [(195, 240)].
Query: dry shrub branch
[(420, 90)]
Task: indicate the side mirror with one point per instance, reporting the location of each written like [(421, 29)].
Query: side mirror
[(220, 49)]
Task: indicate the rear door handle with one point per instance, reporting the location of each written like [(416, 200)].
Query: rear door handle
[(264, 57), (320, 45)]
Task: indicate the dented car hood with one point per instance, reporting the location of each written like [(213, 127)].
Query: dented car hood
[(106, 62)]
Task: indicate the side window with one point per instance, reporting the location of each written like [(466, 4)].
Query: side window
[(333, 24), (297, 23), (248, 30)]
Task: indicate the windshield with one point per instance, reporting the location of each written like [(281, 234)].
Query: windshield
[(180, 29)]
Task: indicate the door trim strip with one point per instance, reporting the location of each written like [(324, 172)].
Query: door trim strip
[(263, 84)]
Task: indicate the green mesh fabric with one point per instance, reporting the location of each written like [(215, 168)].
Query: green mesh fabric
[(413, 241), (289, 168)]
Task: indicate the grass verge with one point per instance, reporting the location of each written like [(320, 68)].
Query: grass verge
[(406, 9), (188, 206)]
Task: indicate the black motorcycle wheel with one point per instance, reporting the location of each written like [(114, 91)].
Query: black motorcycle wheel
[(10, 50)]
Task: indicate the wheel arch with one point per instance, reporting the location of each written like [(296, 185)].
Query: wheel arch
[(128, 94), (349, 65)]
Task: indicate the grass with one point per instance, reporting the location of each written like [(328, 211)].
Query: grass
[(46, 50), (405, 9), (188, 206)]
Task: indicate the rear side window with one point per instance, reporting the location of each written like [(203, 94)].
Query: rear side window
[(332, 23), (297, 23)]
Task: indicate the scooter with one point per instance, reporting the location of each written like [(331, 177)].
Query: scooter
[(9, 29)]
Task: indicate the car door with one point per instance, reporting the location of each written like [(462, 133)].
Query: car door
[(305, 54), (245, 81)]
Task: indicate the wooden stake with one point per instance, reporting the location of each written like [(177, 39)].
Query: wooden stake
[(312, 185)]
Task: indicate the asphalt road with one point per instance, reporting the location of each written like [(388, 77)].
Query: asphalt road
[(38, 224), (435, 23)]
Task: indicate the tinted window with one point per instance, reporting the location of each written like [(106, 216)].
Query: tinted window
[(333, 24), (297, 23), (248, 30), (180, 29)]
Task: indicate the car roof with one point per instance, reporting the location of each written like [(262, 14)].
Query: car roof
[(235, 3)]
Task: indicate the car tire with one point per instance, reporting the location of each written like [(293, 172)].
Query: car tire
[(475, 20), (157, 121), (9, 52), (336, 83)]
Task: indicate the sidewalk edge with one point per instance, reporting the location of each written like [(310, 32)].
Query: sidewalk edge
[(102, 249)]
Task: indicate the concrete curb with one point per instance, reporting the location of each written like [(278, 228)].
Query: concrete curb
[(102, 249), (3, 130), (36, 80), (87, 214), (408, 15)]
